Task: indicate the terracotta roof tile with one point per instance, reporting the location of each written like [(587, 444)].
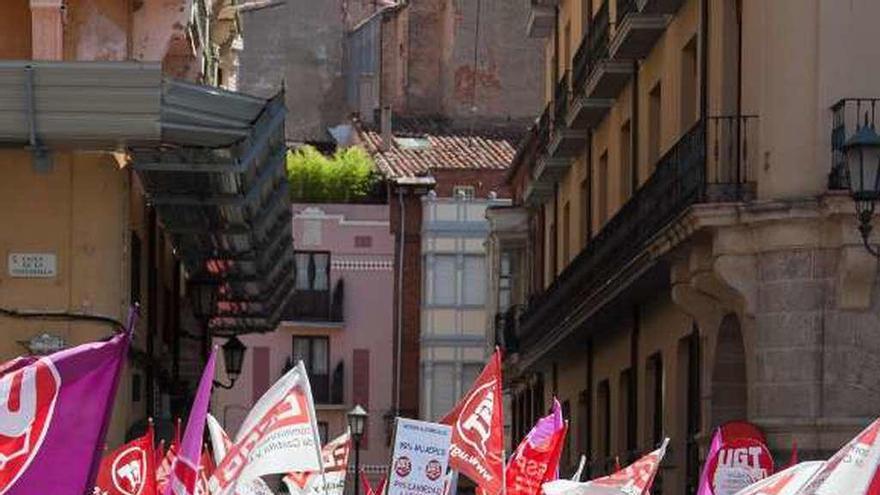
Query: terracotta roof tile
[(425, 144)]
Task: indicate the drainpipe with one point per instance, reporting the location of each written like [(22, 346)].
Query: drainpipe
[(739, 121), (152, 299), (398, 358)]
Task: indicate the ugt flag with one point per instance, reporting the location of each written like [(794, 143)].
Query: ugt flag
[(129, 469), (635, 479), (335, 466), (536, 460), (54, 412), (477, 448), (278, 436)]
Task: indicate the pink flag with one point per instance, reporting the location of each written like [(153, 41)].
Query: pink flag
[(536, 460), (54, 412), (705, 486), (184, 474)]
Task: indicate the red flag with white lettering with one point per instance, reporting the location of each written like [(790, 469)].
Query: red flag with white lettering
[(129, 470), (536, 460), (477, 448)]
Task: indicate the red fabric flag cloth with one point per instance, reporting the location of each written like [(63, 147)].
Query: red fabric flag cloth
[(368, 489), (206, 467), (477, 448), (536, 460), (163, 470), (130, 469)]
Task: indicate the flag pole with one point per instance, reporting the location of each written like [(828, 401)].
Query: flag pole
[(503, 471)]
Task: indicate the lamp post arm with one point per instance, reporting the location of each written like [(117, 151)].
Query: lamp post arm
[(223, 385), (865, 228)]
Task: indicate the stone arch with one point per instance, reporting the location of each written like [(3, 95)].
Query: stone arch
[(729, 377)]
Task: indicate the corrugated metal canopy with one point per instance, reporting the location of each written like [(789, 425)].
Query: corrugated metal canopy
[(212, 162)]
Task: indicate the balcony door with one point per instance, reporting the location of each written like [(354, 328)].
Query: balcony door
[(312, 285), (314, 352)]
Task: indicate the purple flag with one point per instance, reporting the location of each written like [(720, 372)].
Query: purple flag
[(54, 412), (705, 485), (184, 473)]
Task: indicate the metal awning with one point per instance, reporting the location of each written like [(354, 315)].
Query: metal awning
[(211, 161)]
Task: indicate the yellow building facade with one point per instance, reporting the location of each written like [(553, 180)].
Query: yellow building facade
[(682, 248)]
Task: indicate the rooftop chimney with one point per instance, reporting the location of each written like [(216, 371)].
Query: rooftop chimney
[(385, 122)]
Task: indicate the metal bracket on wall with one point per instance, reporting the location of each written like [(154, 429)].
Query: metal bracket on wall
[(42, 159)]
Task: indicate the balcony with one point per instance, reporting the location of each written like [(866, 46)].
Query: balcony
[(713, 162), (668, 7), (588, 110), (506, 324), (319, 306), (326, 389), (598, 74), (548, 169), (636, 31), (542, 18), (565, 142), (847, 115)]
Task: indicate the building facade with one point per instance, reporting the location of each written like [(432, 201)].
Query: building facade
[(680, 253), (339, 324), (91, 126)]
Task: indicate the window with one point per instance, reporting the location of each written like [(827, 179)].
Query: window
[(314, 352), (654, 123), (628, 180), (505, 281), (691, 348), (603, 418), (312, 270), (464, 192), (469, 374), (443, 389), (688, 85), (363, 241), (566, 233), (654, 397), (566, 447), (554, 246), (602, 186), (323, 431), (443, 287), (586, 211), (583, 418), (566, 46), (627, 426), (474, 281)]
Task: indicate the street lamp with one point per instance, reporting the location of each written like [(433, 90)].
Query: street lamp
[(357, 422), (862, 152), (233, 356)]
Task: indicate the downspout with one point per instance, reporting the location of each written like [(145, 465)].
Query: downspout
[(400, 248), (704, 87), (152, 299), (739, 121), (634, 131)]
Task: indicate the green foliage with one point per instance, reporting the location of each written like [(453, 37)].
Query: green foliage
[(347, 176)]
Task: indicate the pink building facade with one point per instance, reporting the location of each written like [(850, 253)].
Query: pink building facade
[(339, 324)]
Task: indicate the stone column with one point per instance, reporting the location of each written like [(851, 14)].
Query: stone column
[(47, 30)]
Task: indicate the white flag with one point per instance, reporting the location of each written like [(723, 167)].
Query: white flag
[(278, 436), (635, 479), (851, 470), (786, 482), (335, 466), (220, 442)]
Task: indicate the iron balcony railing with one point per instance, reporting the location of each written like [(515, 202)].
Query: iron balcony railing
[(847, 115), (624, 8), (560, 100), (506, 323), (593, 48), (682, 177), (544, 125), (317, 305)]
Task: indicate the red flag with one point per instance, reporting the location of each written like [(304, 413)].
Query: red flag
[(163, 470), (130, 469), (368, 490), (206, 467), (536, 460), (793, 460), (477, 448)]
